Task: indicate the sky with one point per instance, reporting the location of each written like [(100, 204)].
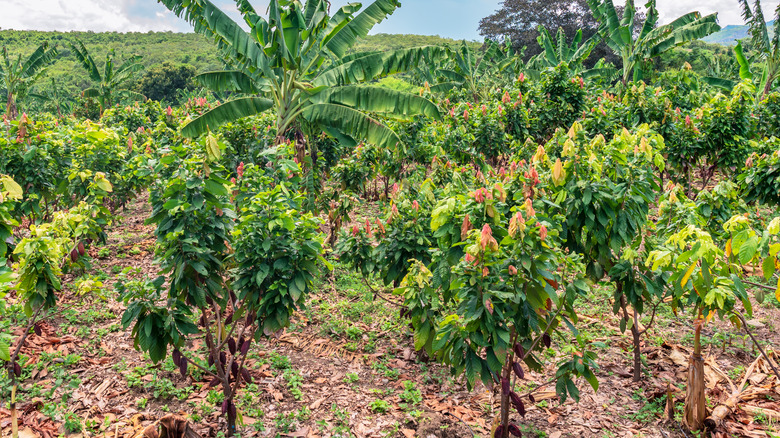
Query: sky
[(457, 19)]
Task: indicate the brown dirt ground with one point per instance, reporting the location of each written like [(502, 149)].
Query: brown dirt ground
[(104, 400)]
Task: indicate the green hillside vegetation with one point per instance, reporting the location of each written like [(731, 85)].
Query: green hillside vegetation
[(186, 54), (730, 34), (153, 47), (184, 51)]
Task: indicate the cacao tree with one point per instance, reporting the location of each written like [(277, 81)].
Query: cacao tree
[(497, 289), (605, 190), (231, 277)]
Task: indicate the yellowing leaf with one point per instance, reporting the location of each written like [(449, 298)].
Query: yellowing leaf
[(687, 275), (558, 174), (212, 148), (777, 291), (539, 155), (104, 184), (575, 128), (568, 148), (728, 248), (10, 186), (774, 226)]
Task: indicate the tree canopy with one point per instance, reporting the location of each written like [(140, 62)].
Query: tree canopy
[(519, 20)]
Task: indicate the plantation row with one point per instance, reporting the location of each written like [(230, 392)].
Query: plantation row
[(489, 239), (502, 193)]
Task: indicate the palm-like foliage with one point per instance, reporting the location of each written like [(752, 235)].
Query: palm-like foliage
[(557, 50), (19, 76), (55, 96), (767, 49), (109, 81), (652, 40), (745, 74), (296, 62), (474, 71)]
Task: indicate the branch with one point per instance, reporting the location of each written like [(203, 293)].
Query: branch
[(760, 285), (25, 334), (536, 341), (755, 342), (652, 317), (376, 294), (191, 362)]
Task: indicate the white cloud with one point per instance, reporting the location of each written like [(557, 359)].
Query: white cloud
[(729, 11), (145, 15), (95, 15)]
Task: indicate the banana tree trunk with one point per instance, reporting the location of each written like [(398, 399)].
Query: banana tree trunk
[(695, 397), (11, 109)]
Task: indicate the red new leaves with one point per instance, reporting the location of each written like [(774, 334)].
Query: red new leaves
[(486, 239)]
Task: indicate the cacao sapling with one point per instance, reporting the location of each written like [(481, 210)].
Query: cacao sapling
[(270, 250), (507, 295)]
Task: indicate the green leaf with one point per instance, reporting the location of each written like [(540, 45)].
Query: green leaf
[(379, 100), (744, 64), (473, 367), (768, 267), (227, 112), (215, 188), (5, 351), (345, 38), (421, 335), (351, 122), (227, 80), (748, 250), (262, 272)]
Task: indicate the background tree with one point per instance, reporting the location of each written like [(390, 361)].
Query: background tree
[(574, 54), (163, 82), (520, 21), (473, 71), (18, 77), (55, 98)]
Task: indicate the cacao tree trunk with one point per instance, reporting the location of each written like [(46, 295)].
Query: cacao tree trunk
[(637, 351)]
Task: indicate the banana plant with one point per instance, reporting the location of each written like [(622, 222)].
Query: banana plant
[(108, 90), (56, 97), (745, 74), (574, 54), (18, 77), (557, 50), (472, 71), (636, 50), (767, 49), (295, 60)]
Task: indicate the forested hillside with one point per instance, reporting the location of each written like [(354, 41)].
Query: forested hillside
[(156, 48)]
